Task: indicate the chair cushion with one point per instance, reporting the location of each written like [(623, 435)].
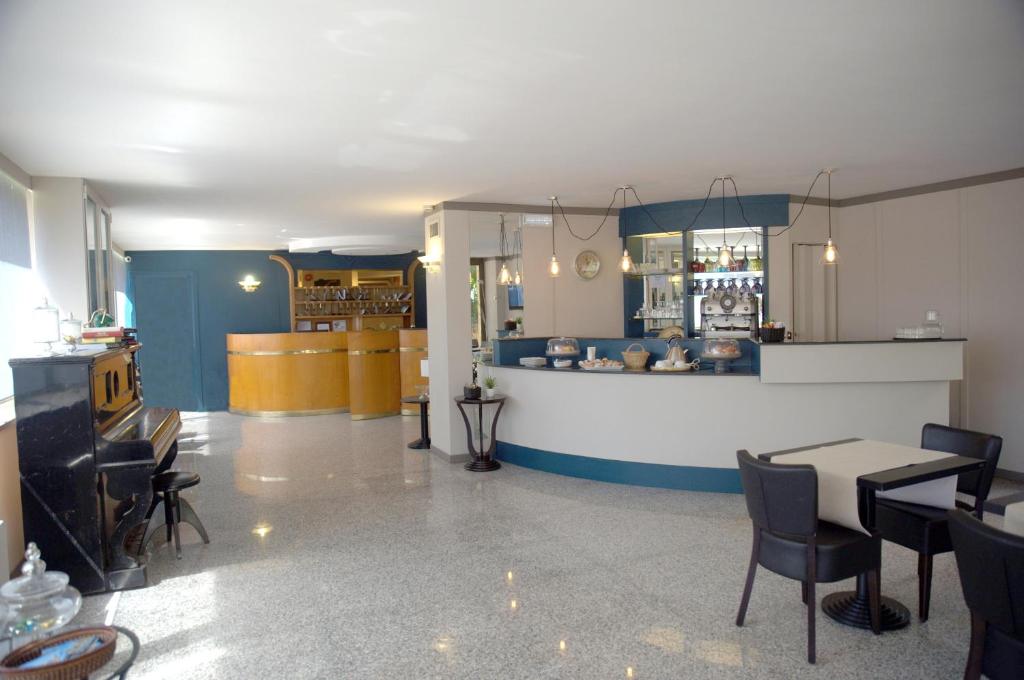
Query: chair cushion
[(918, 527), (1004, 655), (174, 480), (841, 553)]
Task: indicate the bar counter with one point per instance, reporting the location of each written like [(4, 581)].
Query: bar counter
[(682, 430), (288, 374)]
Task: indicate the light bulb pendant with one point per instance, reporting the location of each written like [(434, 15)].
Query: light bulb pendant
[(831, 254), (725, 256), (503, 276), (554, 269), (627, 262), (518, 280)]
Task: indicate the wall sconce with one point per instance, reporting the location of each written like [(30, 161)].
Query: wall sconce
[(249, 284), (432, 259)]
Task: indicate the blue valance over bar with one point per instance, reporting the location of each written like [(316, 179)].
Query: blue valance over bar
[(764, 210)]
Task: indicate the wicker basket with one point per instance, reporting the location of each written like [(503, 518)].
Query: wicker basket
[(635, 360), (773, 334), (74, 669)]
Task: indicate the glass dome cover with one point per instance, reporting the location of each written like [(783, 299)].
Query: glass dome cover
[(38, 601), (563, 347)]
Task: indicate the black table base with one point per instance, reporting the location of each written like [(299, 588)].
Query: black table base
[(424, 441), (482, 465), (482, 459), (851, 608)]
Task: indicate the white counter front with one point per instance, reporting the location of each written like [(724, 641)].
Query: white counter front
[(682, 431)]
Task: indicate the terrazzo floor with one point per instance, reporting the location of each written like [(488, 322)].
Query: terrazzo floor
[(337, 552)]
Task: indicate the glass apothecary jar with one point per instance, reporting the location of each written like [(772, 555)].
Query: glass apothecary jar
[(38, 602)]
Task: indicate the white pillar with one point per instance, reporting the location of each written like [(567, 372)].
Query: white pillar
[(448, 332)]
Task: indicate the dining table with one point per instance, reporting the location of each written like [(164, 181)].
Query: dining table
[(852, 473)]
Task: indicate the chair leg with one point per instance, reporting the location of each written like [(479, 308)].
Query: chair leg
[(151, 526), (812, 575), (172, 501), (188, 515), (973, 669), (754, 551), (924, 585), (875, 601), (169, 513)]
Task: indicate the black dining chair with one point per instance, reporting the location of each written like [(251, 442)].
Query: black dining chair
[(991, 565), (925, 529), (790, 540)]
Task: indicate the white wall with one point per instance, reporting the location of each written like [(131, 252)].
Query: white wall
[(958, 252), (568, 305), (59, 236)]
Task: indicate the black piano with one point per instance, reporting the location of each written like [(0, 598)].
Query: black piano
[(87, 449)]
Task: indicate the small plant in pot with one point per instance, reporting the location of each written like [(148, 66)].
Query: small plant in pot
[(490, 382)]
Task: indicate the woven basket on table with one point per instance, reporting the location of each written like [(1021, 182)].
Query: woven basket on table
[(772, 334), (635, 360), (73, 669)]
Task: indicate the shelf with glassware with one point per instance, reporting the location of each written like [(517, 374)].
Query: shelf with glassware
[(741, 271), (352, 300), (658, 264)]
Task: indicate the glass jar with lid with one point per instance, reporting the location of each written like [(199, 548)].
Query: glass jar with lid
[(38, 602), (563, 347)]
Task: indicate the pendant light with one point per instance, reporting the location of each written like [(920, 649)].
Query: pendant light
[(554, 269), (504, 277), (831, 253), (725, 258), (626, 263), (517, 252)]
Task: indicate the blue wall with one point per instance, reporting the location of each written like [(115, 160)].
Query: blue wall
[(222, 306)]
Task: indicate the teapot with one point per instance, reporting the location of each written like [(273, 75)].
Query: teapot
[(675, 352)]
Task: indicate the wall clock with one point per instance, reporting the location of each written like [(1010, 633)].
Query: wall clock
[(587, 264)]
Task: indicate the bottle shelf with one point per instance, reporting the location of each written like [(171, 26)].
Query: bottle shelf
[(659, 272)]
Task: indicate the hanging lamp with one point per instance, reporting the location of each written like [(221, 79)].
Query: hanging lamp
[(504, 277), (626, 263), (517, 252), (554, 269), (831, 253), (725, 258)]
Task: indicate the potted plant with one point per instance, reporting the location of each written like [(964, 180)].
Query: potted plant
[(519, 324), (490, 382)]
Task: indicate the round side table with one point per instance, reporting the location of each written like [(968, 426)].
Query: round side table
[(483, 461), (424, 441)]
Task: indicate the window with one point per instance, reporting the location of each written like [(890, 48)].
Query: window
[(20, 291), (99, 256)]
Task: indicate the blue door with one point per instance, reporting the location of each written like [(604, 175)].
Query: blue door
[(166, 316)]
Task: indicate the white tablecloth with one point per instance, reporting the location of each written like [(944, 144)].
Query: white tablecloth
[(1013, 519), (839, 466)]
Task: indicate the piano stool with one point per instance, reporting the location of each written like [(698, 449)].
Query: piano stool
[(166, 488)]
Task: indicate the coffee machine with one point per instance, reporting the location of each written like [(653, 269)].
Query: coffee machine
[(726, 314)]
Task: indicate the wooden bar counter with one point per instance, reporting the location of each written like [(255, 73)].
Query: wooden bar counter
[(288, 374), (374, 374), (412, 347)]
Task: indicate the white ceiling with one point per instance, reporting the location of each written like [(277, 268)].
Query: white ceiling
[(242, 124)]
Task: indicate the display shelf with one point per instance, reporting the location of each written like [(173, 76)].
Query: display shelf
[(660, 272), (658, 318), (699, 276)]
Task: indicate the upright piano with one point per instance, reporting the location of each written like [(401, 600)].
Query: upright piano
[(88, 449)]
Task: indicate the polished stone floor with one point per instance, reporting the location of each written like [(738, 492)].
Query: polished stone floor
[(339, 553)]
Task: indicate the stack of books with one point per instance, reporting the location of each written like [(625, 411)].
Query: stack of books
[(108, 335)]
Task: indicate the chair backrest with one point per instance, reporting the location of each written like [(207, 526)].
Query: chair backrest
[(991, 564), (966, 443), (780, 498)]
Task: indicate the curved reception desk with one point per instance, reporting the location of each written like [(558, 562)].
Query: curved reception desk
[(288, 374), (682, 430), (374, 374)]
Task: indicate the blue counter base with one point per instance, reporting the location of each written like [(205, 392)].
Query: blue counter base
[(720, 480)]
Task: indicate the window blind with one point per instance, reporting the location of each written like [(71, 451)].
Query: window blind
[(15, 244)]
